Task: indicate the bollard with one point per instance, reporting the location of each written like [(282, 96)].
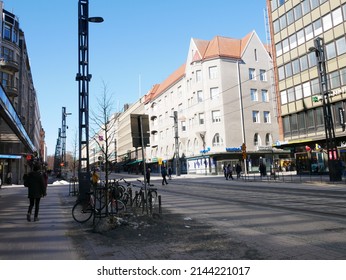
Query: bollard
[(130, 194), (160, 210)]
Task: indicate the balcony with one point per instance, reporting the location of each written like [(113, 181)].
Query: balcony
[(11, 91), (9, 64)]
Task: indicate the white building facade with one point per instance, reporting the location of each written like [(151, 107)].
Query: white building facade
[(223, 97)]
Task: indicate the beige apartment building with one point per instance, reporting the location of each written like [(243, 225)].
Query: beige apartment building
[(223, 95), (294, 27)]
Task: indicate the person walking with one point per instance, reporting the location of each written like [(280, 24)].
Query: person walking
[(229, 172), (164, 174), (36, 189), (95, 178), (170, 173), (147, 174), (238, 170)]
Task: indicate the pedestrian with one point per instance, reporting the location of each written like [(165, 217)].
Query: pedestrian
[(36, 189), (164, 174), (147, 174), (9, 178), (238, 170), (225, 171), (262, 169), (169, 173), (95, 178), (229, 172)]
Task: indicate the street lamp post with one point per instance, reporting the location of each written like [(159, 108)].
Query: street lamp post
[(334, 170), (83, 77), (176, 137), (63, 139)]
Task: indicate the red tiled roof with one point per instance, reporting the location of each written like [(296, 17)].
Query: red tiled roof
[(171, 80), (218, 47), (222, 47)]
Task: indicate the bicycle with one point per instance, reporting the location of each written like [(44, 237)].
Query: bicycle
[(82, 211), (140, 200)]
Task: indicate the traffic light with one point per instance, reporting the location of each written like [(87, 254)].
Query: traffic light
[(244, 155)]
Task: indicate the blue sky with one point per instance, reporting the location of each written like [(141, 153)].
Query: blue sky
[(138, 41)]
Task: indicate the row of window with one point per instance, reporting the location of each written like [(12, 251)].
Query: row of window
[(336, 80), (194, 147), (310, 121), (256, 117), (300, 64), (311, 31), (294, 14), (262, 74)]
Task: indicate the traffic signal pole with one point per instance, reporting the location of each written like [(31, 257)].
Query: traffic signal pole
[(332, 152)]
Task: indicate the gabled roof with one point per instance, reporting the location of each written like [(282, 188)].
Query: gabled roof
[(221, 47)]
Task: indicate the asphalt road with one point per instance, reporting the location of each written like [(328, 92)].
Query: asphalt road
[(280, 220), (258, 220)]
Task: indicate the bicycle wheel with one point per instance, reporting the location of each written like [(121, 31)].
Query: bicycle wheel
[(116, 206), (82, 212)]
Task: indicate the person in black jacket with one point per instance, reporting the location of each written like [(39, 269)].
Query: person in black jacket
[(36, 189)]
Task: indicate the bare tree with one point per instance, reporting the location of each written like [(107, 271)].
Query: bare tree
[(103, 128)]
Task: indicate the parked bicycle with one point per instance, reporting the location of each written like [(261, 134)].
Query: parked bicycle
[(82, 211), (140, 199)]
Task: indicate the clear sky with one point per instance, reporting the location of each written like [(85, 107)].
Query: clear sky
[(139, 44)]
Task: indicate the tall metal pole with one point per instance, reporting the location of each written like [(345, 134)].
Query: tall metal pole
[(83, 77), (334, 169), (176, 136)]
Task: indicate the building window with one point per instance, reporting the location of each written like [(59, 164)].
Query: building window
[(330, 50), (266, 117), (212, 72), (257, 140), (269, 139), (290, 95), (255, 54), (298, 91), (253, 93), (214, 93), (265, 97), (317, 26), (7, 32), (200, 96), (217, 140), (337, 16), (334, 79), (183, 126), (201, 118), (341, 46), (216, 116), (198, 76), (263, 75), (306, 89), (255, 117), (327, 22), (252, 74), (283, 97)]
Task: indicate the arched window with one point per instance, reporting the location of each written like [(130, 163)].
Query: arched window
[(257, 140), (217, 140), (269, 139)]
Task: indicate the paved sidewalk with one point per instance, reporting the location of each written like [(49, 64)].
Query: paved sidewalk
[(46, 239)]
